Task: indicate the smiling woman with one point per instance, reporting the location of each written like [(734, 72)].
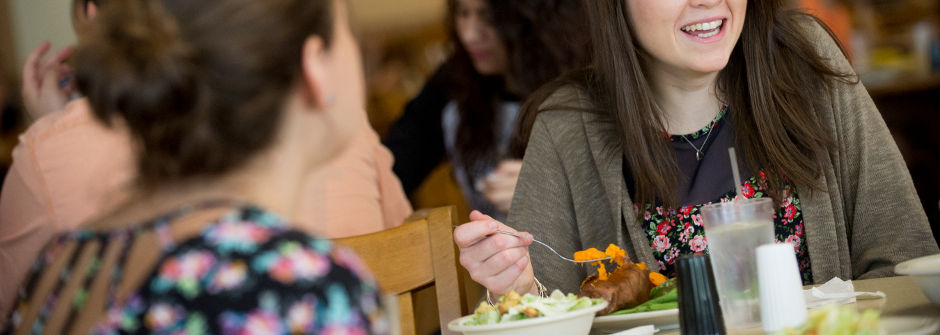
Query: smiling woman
[(629, 150)]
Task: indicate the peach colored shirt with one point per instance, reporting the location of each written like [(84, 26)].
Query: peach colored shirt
[(69, 168)]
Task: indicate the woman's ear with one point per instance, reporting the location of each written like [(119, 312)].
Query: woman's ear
[(314, 72)]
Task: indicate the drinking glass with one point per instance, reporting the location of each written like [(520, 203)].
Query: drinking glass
[(734, 230)]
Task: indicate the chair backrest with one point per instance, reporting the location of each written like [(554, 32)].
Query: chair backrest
[(412, 256)]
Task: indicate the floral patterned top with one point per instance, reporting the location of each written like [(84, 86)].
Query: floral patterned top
[(673, 233), (246, 273)]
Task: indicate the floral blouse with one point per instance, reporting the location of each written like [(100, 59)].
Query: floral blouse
[(247, 273), (672, 232)]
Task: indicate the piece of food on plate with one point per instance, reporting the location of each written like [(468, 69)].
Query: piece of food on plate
[(662, 297), (512, 307), (626, 287), (833, 320)]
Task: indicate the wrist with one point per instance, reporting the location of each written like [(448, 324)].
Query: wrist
[(527, 283)]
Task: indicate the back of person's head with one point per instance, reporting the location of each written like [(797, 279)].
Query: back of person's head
[(201, 84)]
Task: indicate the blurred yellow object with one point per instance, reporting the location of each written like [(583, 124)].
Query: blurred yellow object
[(891, 58)]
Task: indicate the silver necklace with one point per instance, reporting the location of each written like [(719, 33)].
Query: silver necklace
[(698, 151)]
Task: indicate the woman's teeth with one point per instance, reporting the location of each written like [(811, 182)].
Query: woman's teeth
[(707, 29)]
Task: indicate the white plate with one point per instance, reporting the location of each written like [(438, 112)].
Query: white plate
[(576, 322), (926, 273), (663, 320), (927, 265)]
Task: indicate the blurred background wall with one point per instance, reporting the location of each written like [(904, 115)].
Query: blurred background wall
[(7, 57), (895, 46), (34, 21)]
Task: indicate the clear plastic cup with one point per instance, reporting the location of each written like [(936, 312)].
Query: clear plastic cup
[(734, 230)]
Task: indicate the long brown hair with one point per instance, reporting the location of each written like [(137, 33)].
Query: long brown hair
[(772, 82), (543, 39)]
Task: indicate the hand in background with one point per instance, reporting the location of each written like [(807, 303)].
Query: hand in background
[(499, 262), (47, 83), (500, 184)]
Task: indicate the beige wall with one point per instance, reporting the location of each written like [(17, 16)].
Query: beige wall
[(384, 15), (35, 21)]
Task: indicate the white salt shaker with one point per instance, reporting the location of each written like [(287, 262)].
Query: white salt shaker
[(781, 290)]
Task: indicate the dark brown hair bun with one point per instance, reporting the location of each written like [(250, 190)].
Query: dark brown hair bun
[(200, 83)]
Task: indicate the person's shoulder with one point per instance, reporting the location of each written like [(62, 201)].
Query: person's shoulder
[(827, 46), (77, 113), (569, 106), (251, 250), (251, 263), (271, 244), (570, 97), (63, 127), (812, 26), (66, 137)]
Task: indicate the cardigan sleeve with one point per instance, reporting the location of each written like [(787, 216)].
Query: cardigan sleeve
[(886, 223), (542, 205)]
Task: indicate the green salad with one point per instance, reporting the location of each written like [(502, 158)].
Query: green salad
[(512, 307)]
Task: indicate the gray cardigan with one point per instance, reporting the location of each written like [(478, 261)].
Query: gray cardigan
[(572, 195)]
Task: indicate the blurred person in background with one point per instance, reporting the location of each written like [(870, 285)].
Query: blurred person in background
[(229, 104), (503, 51), (48, 82), (68, 168)]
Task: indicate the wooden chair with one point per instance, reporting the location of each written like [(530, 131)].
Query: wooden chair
[(411, 257)]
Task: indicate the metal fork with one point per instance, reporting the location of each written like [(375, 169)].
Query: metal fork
[(547, 246)]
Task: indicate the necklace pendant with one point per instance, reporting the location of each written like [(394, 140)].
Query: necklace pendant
[(698, 155)]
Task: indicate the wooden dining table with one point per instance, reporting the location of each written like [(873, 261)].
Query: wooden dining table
[(904, 299)]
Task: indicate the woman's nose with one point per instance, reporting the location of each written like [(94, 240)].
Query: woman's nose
[(473, 33), (704, 3)]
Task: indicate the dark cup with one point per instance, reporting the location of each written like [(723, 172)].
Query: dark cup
[(699, 310)]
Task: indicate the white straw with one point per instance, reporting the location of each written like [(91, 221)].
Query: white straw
[(736, 173)]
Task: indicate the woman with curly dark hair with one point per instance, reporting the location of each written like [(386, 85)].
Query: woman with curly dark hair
[(503, 51)]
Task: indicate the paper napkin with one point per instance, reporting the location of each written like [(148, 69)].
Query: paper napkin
[(836, 291)]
